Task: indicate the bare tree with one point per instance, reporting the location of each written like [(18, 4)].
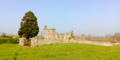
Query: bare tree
[(109, 37), (117, 36), (89, 37)]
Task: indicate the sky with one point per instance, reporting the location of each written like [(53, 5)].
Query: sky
[(95, 17)]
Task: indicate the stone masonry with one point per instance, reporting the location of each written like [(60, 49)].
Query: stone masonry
[(40, 42), (50, 37), (22, 41), (50, 33)]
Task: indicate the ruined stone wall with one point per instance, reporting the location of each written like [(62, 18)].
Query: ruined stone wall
[(40, 42), (60, 36), (47, 33), (22, 41), (50, 33), (34, 42), (66, 36), (56, 36)]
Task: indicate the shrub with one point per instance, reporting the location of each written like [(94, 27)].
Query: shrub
[(9, 40)]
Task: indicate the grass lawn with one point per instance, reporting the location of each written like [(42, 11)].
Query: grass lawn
[(65, 51)]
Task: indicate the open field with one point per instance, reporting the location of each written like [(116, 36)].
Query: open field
[(65, 51)]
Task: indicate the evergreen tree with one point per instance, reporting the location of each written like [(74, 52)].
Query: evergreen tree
[(29, 27), (72, 34)]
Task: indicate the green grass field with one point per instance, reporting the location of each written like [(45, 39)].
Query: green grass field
[(65, 51)]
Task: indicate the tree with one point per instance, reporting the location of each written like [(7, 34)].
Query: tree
[(72, 34), (109, 37), (29, 27), (89, 37), (83, 35), (117, 36), (3, 35)]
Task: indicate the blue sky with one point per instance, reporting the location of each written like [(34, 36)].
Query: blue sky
[(95, 17)]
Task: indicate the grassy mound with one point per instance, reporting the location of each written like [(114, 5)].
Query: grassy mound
[(65, 51)]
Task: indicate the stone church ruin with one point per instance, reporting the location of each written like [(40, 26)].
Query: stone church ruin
[(50, 33), (51, 37)]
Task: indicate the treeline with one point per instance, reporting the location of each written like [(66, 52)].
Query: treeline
[(114, 38), (109, 37), (9, 39)]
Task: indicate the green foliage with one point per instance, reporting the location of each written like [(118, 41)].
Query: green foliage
[(29, 27), (82, 35), (28, 42), (56, 39), (66, 51), (9, 40), (72, 34)]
